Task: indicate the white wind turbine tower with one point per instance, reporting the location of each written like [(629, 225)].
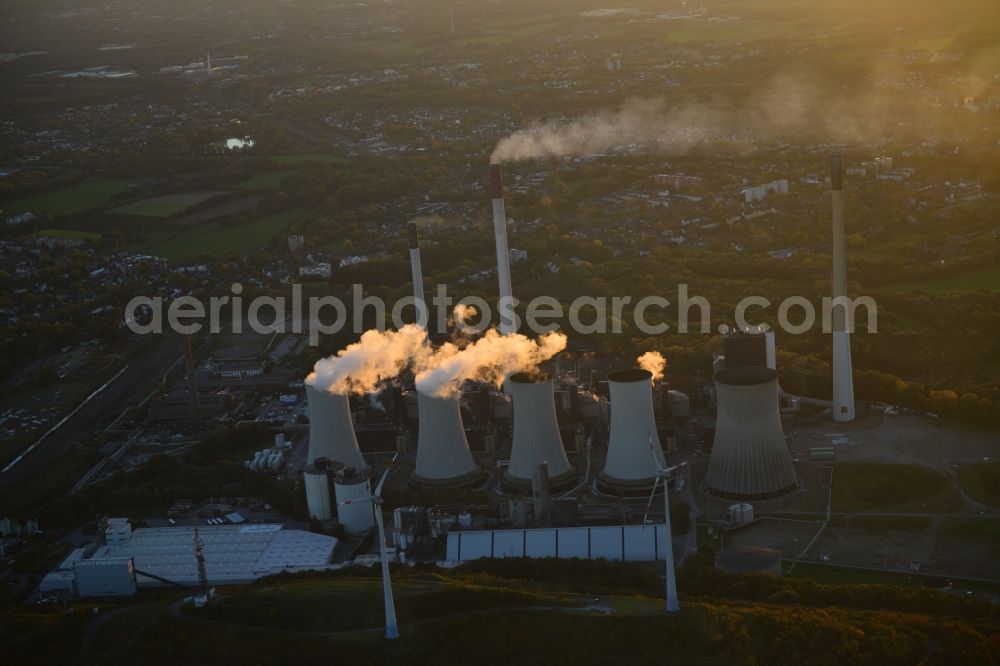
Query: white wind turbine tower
[(391, 628), (663, 472)]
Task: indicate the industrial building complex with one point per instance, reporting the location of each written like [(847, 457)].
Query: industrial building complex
[(567, 467)]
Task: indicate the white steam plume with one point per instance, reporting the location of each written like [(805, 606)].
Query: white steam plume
[(489, 359), (796, 105), (376, 357), (654, 363), (645, 124)]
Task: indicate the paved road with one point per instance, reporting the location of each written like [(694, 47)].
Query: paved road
[(145, 369)]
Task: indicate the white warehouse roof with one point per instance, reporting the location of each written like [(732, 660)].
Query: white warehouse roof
[(233, 553)]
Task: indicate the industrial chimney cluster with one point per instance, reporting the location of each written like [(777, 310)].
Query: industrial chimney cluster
[(749, 460)]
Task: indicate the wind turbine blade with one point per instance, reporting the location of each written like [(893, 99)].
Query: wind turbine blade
[(357, 500), (650, 502), (385, 475), (657, 459)]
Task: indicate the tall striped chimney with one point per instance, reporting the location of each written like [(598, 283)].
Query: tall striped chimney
[(503, 254), (415, 268), (843, 379)]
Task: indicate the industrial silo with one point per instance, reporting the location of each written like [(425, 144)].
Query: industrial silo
[(536, 436), (318, 478), (750, 460), (443, 456), (331, 433), (354, 484), (634, 453)]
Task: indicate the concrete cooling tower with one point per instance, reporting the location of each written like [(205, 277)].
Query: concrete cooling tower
[(750, 460), (331, 433), (443, 456), (536, 433), (630, 463)]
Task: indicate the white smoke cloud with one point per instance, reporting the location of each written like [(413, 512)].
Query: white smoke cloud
[(795, 105), (654, 363), (643, 124), (376, 357), (463, 313), (489, 359)]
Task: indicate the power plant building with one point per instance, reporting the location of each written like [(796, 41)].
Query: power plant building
[(536, 436), (164, 556), (750, 459), (443, 455), (634, 453), (331, 432)]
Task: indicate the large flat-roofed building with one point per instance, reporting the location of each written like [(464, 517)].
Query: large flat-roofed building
[(105, 577), (233, 553), (160, 556)]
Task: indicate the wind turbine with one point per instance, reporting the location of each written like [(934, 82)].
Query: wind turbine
[(391, 629), (664, 472)]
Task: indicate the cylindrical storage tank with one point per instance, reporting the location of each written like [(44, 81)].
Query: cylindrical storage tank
[(741, 514), (279, 440), (351, 484), (750, 459), (465, 520), (634, 453), (317, 482), (331, 433), (443, 456), (536, 434)]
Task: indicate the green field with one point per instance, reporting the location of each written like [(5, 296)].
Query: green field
[(302, 158), (981, 481), (883, 524), (150, 208), (68, 234), (868, 486), (826, 574), (986, 530), (216, 240), (983, 278), (69, 200), (265, 180)]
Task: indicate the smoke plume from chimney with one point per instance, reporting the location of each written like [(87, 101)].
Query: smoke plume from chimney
[(654, 363), (489, 359)]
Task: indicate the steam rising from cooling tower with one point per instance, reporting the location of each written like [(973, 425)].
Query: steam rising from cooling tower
[(536, 433), (750, 460), (654, 363), (376, 357), (634, 453), (489, 359)]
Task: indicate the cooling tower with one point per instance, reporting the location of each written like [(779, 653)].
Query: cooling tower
[(630, 463), (331, 433), (500, 231), (750, 460), (536, 433), (443, 456), (843, 380)]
